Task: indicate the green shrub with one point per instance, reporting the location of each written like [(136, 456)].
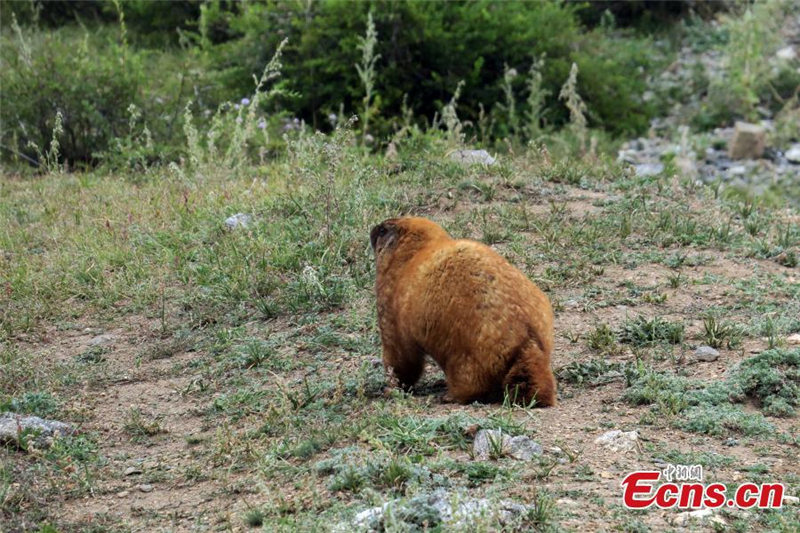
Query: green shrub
[(447, 42), (89, 79)]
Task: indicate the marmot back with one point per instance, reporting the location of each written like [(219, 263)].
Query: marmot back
[(488, 327)]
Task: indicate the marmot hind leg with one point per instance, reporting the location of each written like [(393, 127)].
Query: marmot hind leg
[(530, 379)]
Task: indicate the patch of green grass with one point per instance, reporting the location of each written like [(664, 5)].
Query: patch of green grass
[(591, 373), (771, 378), (721, 420), (413, 434), (42, 404), (641, 331), (140, 425), (716, 332), (480, 472), (603, 340), (254, 518)]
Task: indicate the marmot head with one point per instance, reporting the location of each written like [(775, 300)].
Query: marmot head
[(410, 232)]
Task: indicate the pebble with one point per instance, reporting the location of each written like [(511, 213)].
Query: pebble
[(489, 441), (793, 339), (682, 519), (122, 494), (145, 487), (618, 441), (786, 53), (132, 470), (793, 154), (706, 354), (471, 157), (102, 340), (648, 169), (239, 220)]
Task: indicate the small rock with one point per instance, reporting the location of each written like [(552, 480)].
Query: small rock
[(737, 170), (102, 340), (489, 442), (41, 431), (239, 220), (471, 157), (649, 169), (730, 441), (122, 494), (716, 519), (787, 53), (793, 154), (748, 141), (145, 487), (794, 338), (706, 353), (682, 519), (132, 470), (618, 441), (791, 500), (566, 501)]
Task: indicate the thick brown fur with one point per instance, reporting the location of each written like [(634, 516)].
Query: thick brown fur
[(488, 327)]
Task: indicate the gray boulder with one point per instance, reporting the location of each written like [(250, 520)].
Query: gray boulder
[(22, 430)]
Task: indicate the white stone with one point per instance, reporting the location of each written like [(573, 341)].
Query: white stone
[(706, 354), (649, 169), (618, 440), (787, 53), (682, 519), (491, 441), (472, 157), (794, 338), (239, 220), (793, 154)]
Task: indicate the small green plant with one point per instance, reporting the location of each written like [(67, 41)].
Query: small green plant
[(37, 403), (509, 107), (534, 114), (254, 518), (577, 109), (641, 331), (452, 124), (366, 72), (603, 340), (716, 331), (140, 425), (349, 479), (543, 511), (592, 373), (675, 280)]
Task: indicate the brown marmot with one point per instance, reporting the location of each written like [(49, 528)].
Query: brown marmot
[(488, 327)]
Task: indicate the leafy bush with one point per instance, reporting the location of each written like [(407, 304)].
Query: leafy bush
[(446, 42), (91, 81)]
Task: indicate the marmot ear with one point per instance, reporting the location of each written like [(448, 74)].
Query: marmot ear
[(382, 235)]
